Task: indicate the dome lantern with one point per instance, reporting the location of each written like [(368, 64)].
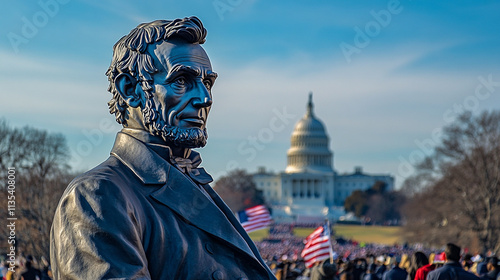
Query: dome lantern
[(310, 105)]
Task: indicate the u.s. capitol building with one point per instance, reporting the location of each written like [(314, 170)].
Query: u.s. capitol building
[(310, 189)]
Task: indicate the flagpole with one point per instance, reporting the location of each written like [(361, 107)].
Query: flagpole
[(329, 233)]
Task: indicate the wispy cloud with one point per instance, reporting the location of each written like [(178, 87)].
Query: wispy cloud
[(269, 56), (369, 107), (58, 91)]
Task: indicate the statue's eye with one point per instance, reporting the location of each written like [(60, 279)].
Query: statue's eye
[(208, 84), (181, 81)]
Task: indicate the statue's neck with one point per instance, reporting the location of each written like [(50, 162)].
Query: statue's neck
[(180, 152), (148, 138)]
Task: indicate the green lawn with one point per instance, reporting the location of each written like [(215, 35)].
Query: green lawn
[(370, 234), (366, 234), (258, 235)]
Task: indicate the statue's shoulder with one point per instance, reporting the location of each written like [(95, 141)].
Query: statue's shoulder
[(109, 179), (101, 194)]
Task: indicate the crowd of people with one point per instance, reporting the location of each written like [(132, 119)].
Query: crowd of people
[(26, 268), (350, 261), (354, 261)]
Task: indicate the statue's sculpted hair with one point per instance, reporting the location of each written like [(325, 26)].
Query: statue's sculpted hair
[(130, 55)]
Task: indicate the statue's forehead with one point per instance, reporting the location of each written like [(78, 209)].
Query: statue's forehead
[(169, 54)]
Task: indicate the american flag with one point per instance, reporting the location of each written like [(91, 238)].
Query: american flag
[(254, 218), (318, 246)]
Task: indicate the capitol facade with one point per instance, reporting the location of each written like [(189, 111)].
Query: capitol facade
[(310, 190)]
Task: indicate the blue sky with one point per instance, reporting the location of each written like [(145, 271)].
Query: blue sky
[(386, 75)]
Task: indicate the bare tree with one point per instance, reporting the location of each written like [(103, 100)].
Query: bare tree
[(12, 144), (238, 190), (357, 202), (39, 159), (460, 199), (376, 204), (385, 207)]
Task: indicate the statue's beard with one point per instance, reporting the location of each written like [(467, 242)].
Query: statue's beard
[(193, 137)]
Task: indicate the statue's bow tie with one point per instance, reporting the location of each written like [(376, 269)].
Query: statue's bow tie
[(190, 167)]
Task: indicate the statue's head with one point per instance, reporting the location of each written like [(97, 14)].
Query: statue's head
[(161, 79)]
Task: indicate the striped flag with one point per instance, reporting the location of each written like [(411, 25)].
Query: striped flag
[(318, 246), (254, 218)]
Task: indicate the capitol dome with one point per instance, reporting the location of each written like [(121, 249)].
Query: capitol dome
[(309, 150)]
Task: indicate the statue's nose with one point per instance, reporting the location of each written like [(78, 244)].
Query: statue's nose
[(203, 97)]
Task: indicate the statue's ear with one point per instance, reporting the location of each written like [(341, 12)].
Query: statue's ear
[(125, 84)]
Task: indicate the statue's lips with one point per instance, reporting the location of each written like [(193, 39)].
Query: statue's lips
[(194, 121)]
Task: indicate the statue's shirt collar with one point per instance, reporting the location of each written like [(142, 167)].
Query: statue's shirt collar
[(188, 165)]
